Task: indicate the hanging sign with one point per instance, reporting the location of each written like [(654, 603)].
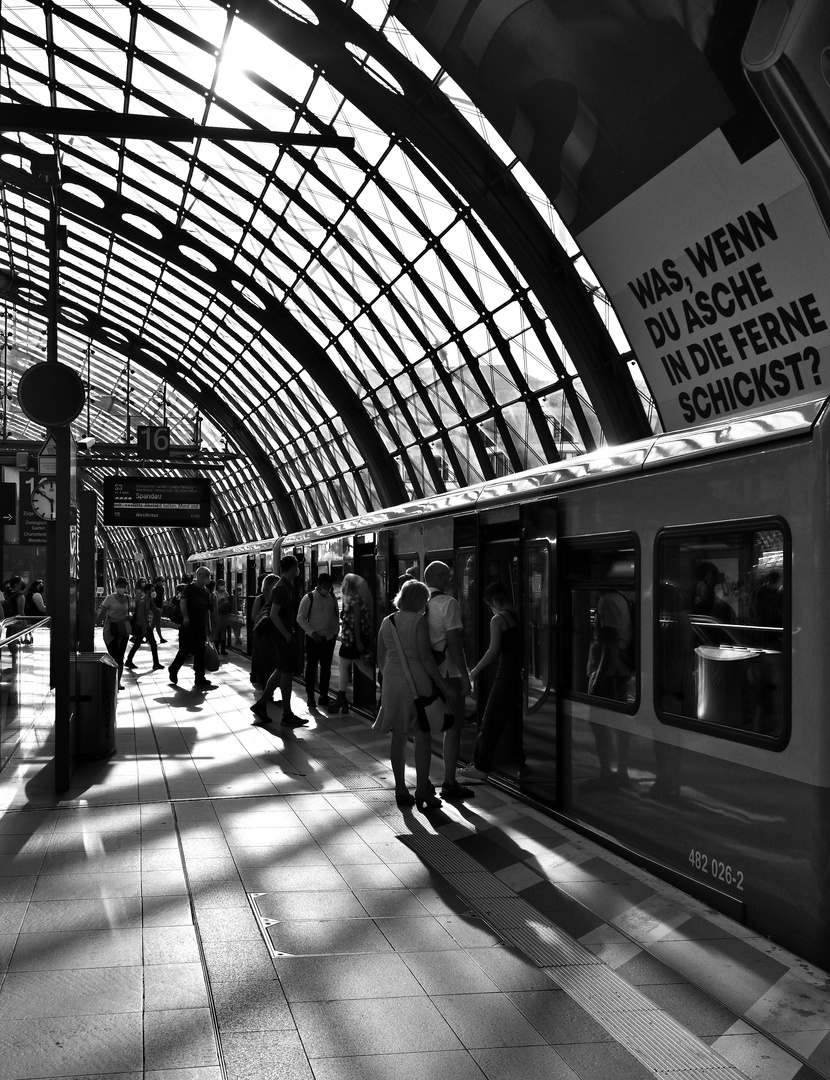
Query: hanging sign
[(143, 500)]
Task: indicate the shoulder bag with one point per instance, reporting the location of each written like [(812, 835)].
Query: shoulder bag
[(421, 702)]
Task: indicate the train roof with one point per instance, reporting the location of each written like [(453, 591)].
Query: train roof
[(655, 452)]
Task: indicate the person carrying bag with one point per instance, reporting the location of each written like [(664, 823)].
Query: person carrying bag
[(411, 679)]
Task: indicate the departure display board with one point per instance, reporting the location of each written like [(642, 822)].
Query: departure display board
[(142, 500)]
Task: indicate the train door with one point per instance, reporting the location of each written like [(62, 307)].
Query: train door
[(542, 735), (363, 689), (500, 561)]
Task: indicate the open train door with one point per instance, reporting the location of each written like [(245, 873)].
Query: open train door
[(543, 741)]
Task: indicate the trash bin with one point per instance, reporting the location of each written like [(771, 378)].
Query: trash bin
[(723, 676), (94, 693)]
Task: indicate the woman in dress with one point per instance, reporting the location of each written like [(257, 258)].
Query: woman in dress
[(503, 704), (398, 713), (355, 636), (264, 648)]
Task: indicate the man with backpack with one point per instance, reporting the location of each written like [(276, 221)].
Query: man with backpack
[(319, 619)]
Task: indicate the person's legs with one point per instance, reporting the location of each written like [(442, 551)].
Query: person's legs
[(397, 757), (199, 656), (326, 656), (452, 736), (341, 702), (285, 682), (154, 649), (423, 757), (312, 656), (185, 649), (138, 637)]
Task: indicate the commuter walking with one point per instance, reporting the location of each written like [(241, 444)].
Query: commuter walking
[(195, 628), (143, 627), (158, 607), (281, 616), (318, 617), (114, 615)]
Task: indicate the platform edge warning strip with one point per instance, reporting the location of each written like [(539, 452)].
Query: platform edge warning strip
[(666, 1048)]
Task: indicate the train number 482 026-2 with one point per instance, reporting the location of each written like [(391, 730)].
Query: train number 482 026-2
[(717, 869)]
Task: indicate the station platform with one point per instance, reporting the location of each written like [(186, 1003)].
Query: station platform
[(219, 901)]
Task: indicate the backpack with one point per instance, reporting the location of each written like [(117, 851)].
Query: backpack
[(174, 612)]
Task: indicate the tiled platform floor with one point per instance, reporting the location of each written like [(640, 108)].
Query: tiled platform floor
[(219, 900)]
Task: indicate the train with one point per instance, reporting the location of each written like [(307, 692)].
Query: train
[(708, 763)]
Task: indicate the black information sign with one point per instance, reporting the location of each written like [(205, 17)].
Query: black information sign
[(141, 500), (153, 441)]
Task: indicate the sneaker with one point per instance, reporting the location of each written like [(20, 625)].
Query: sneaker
[(174, 676), (158, 667), (472, 774), (312, 704), (205, 684), (324, 699), (292, 721), (129, 664)]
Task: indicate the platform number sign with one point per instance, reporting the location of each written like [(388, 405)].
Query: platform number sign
[(153, 441)]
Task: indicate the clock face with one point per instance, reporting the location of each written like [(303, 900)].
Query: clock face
[(44, 500)]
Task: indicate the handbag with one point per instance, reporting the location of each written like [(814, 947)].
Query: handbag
[(211, 657), (421, 701)]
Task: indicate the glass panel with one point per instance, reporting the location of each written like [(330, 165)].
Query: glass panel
[(720, 635), (538, 625), (601, 600)]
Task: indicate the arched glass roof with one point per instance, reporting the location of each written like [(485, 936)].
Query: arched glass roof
[(356, 327)]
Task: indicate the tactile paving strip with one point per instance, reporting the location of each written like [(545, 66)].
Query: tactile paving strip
[(662, 1045)]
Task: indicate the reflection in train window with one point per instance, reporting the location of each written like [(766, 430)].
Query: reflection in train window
[(537, 624), (600, 639), (720, 646), (464, 589)]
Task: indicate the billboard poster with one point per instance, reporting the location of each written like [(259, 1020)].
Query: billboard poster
[(638, 120), (727, 303)]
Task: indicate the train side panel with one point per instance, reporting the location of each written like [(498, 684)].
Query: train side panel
[(748, 826)]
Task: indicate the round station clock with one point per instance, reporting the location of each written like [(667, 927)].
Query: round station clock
[(44, 499)]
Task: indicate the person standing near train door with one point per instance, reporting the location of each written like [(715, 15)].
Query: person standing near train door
[(446, 635), (196, 625), (319, 618)]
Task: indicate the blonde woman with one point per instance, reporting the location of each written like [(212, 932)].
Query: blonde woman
[(356, 638)]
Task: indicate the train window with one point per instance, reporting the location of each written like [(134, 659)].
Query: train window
[(601, 620), (407, 566), (720, 634)]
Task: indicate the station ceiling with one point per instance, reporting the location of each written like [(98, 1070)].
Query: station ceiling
[(335, 327)]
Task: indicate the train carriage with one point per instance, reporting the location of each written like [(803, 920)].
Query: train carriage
[(707, 761)]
